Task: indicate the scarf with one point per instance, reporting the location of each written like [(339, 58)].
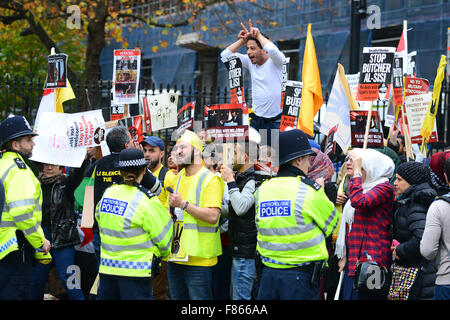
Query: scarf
[(379, 168), (50, 180), (321, 167)]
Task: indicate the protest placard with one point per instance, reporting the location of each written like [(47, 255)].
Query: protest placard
[(126, 70), (358, 122), (85, 129), (57, 71), (291, 105), (397, 80), (227, 121), (135, 127), (284, 79), (185, 118), (160, 111), (235, 78), (416, 109), (117, 112), (330, 142), (376, 73), (52, 143)]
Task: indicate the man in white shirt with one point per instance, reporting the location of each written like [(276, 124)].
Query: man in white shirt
[(265, 64)]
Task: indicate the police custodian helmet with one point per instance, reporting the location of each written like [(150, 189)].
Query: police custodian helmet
[(131, 158), (14, 127), (293, 144)]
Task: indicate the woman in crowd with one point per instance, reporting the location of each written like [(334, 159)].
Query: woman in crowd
[(135, 229), (59, 223), (414, 196), (366, 218)]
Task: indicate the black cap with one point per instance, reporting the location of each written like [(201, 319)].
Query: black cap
[(131, 158), (414, 172), (14, 127), (294, 144)]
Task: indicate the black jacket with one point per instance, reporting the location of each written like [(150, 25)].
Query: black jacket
[(242, 229), (58, 208), (409, 224)]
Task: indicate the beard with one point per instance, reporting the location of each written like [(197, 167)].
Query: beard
[(153, 164)]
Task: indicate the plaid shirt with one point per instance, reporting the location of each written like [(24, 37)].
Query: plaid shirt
[(373, 212)]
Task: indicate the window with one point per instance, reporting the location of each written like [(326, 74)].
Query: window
[(290, 48)]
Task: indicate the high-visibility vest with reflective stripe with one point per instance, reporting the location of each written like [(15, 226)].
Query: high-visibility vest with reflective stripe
[(133, 227), (292, 220), (23, 204), (201, 239)]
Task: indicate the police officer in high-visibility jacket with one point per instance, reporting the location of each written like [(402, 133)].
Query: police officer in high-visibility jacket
[(293, 218), (135, 228), (21, 235)]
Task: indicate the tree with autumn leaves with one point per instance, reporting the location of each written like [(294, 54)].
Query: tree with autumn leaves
[(99, 23)]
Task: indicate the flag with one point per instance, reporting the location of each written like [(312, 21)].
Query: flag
[(62, 95), (337, 113), (428, 123), (52, 100), (312, 91), (402, 47)]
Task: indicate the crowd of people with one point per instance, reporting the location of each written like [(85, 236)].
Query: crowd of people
[(226, 221)]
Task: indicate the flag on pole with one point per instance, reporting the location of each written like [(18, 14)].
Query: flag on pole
[(337, 113), (52, 100), (402, 47), (428, 123), (312, 98)]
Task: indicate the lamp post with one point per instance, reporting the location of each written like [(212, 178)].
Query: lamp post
[(358, 12)]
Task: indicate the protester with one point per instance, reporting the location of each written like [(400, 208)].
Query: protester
[(197, 203), (366, 217), (293, 217), (265, 64), (135, 229), (437, 178), (242, 228), (397, 143), (59, 223), (21, 234), (414, 196), (436, 240)]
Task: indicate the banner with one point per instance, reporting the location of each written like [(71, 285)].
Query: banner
[(85, 129), (397, 80), (227, 121), (291, 105), (358, 121), (235, 78), (186, 118), (57, 71), (376, 73), (126, 71), (160, 111)]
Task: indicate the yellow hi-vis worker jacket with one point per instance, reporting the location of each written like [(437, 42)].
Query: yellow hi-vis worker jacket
[(23, 204), (201, 239), (293, 217), (133, 226)]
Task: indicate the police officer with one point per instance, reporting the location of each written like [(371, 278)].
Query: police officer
[(20, 230), (293, 218), (134, 227)]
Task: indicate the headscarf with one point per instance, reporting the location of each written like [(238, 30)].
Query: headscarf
[(437, 162), (379, 168), (321, 167)]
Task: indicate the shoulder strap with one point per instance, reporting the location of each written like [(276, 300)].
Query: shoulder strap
[(147, 192), (162, 174), (445, 197)]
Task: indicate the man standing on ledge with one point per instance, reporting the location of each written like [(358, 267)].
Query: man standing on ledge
[(265, 64)]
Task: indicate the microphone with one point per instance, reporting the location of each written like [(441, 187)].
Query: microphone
[(172, 209)]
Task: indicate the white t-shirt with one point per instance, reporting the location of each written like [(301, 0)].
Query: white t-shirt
[(266, 80)]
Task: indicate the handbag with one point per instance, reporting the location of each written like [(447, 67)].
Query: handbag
[(370, 277), (403, 281)]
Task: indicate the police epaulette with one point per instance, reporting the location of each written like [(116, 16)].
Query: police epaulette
[(311, 183), (147, 192), (20, 163)]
